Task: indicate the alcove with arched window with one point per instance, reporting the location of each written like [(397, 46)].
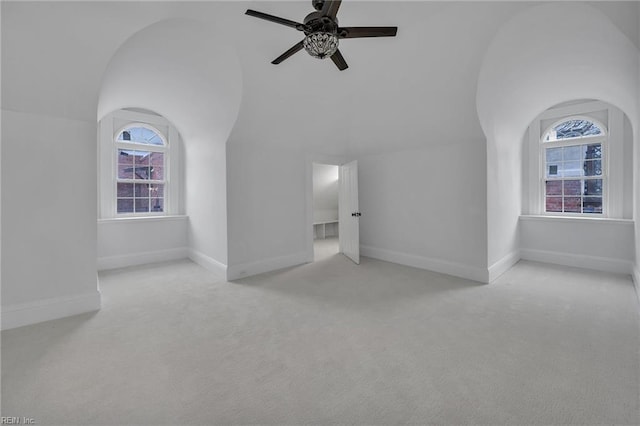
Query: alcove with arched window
[(578, 162), (141, 190), (577, 187)]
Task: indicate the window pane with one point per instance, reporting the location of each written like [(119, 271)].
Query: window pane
[(573, 152), (142, 158), (125, 156), (157, 158), (553, 187), (157, 173), (125, 205), (554, 155), (573, 205), (572, 168), (125, 190), (157, 204), (142, 172), (593, 168), (142, 205), (593, 187), (142, 190), (572, 129), (593, 151), (592, 205), (156, 191), (554, 204), (572, 187), (125, 171), (140, 135)]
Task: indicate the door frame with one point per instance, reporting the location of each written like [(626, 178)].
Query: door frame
[(320, 159)]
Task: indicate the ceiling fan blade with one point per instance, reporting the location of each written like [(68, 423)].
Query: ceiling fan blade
[(338, 59), (357, 32), (298, 26), (296, 48), (330, 8)]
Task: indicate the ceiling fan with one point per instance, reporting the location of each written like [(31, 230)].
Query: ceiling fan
[(322, 33)]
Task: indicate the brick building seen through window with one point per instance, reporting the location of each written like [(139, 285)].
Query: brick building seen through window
[(141, 171)]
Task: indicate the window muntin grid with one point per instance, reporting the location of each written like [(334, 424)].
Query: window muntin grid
[(574, 178), (141, 174)]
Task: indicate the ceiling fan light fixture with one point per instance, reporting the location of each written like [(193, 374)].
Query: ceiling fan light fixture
[(321, 45)]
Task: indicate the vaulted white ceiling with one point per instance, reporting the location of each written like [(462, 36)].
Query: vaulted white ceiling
[(398, 93)]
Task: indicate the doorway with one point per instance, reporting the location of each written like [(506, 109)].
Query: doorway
[(325, 211)]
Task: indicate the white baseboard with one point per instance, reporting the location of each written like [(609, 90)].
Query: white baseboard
[(244, 270), (503, 265), (49, 309), (220, 269), (436, 265), (133, 259), (605, 264)]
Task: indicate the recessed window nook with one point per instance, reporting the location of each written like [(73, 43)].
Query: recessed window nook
[(576, 162)]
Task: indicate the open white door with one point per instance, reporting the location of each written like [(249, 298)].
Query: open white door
[(348, 211)]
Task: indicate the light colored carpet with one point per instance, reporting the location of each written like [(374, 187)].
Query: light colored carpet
[(324, 248), (331, 342)]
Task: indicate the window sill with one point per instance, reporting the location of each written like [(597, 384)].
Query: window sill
[(575, 219), (143, 219)]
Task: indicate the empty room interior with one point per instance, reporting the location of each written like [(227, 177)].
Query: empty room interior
[(320, 212)]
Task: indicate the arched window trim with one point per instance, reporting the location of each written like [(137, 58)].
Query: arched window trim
[(601, 139), (134, 182), (110, 128)]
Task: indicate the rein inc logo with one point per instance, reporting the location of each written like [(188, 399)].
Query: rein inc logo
[(6, 420)]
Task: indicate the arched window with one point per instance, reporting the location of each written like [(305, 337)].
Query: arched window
[(578, 161), (140, 170), (573, 158), (139, 166)]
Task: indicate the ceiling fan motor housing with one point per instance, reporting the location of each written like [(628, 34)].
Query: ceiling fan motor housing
[(316, 22)]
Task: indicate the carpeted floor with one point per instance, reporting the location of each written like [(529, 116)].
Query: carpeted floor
[(334, 343), (325, 248)]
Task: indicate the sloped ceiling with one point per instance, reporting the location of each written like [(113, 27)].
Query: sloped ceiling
[(399, 93)]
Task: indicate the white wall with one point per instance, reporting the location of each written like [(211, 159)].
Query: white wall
[(636, 192), (49, 212), (267, 210), (325, 192), (601, 244), (1, 138), (206, 202), (427, 208), (136, 241), (627, 190)]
